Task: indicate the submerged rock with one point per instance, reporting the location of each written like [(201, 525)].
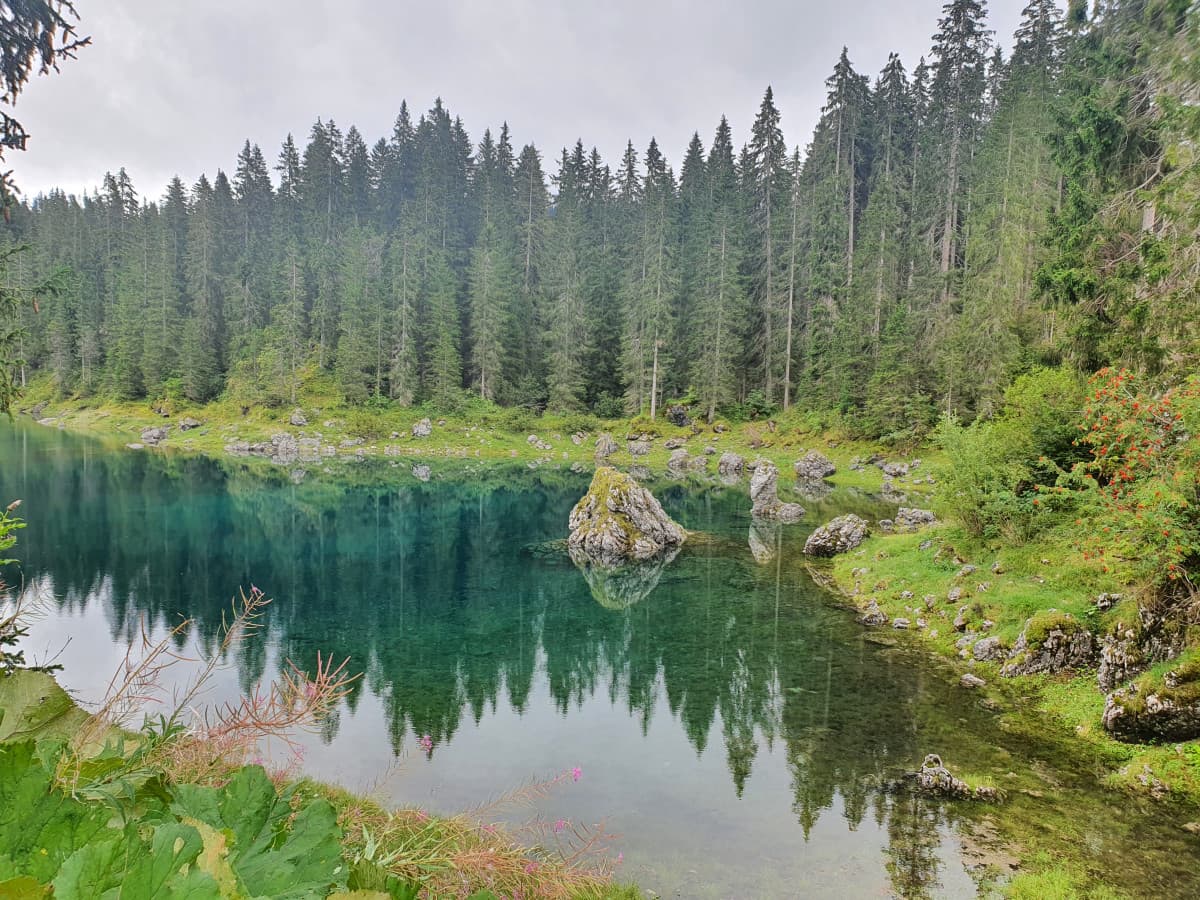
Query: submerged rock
[(839, 535), (1051, 642), (619, 520), (813, 466), (764, 495)]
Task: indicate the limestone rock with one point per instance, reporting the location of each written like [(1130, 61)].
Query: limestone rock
[(187, 423), (621, 586), (971, 681), (763, 539), (1157, 710), (153, 436), (764, 495), (423, 428), (935, 778), (38, 409), (674, 443), (619, 520), (1120, 659), (678, 462), (298, 419), (730, 465), (578, 438), (909, 519), (421, 472), (813, 466), (987, 649), (639, 448), (1051, 642), (872, 615), (605, 446), (537, 443), (839, 535)]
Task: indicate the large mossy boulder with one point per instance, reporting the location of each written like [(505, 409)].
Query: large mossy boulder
[(840, 535), (1157, 708), (1051, 641), (618, 520)]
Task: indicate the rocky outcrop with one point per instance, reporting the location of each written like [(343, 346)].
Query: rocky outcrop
[(639, 448), (1157, 710), (872, 615), (605, 445), (618, 520), (151, 437), (422, 429), (678, 462), (678, 415), (839, 535), (187, 423), (813, 466), (730, 465), (1051, 641), (298, 419), (421, 472), (764, 495)]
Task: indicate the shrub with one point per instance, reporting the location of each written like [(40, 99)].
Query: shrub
[(982, 483), (609, 407)]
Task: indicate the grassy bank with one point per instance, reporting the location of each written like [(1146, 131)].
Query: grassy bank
[(479, 432)]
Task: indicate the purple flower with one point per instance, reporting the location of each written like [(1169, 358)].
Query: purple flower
[(560, 825), (576, 773)]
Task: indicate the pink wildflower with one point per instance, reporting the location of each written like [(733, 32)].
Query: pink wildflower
[(576, 773), (620, 858), (560, 825)]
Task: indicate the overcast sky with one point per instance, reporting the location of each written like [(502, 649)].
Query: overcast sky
[(176, 87)]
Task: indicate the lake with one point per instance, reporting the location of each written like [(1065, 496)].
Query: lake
[(733, 724)]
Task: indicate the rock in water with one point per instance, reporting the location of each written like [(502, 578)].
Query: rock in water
[(422, 429), (813, 466), (619, 520), (605, 446), (764, 495), (934, 778), (840, 535)]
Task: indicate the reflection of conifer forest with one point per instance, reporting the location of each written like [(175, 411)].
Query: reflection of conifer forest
[(430, 589)]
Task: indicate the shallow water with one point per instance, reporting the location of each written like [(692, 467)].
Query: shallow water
[(733, 725)]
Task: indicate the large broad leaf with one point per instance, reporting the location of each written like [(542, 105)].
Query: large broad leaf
[(40, 826), (32, 705), (269, 858), (131, 867)]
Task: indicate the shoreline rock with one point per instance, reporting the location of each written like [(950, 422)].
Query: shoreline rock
[(839, 535), (764, 495)]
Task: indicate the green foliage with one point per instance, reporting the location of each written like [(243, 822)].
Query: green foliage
[(240, 840)]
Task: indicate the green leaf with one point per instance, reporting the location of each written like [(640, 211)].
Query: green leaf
[(128, 867), (34, 706), (269, 859), (23, 888), (40, 826)]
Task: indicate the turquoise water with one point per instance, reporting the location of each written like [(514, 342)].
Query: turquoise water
[(733, 725)]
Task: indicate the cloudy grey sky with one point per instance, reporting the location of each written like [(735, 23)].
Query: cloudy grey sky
[(175, 86)]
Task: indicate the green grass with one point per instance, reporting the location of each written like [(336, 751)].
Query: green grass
[(1050, 879)]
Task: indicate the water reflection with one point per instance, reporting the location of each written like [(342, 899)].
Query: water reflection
[(460, 634)]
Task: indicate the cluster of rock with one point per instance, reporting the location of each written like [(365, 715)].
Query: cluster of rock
[(1051, 642), (909, 520), (764, 495), (283, 449), (839, 535), (537, 443), (423, 428), (618, 520), (681, 461)]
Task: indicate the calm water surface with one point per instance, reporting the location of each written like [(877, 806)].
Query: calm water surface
[(733, 725)]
